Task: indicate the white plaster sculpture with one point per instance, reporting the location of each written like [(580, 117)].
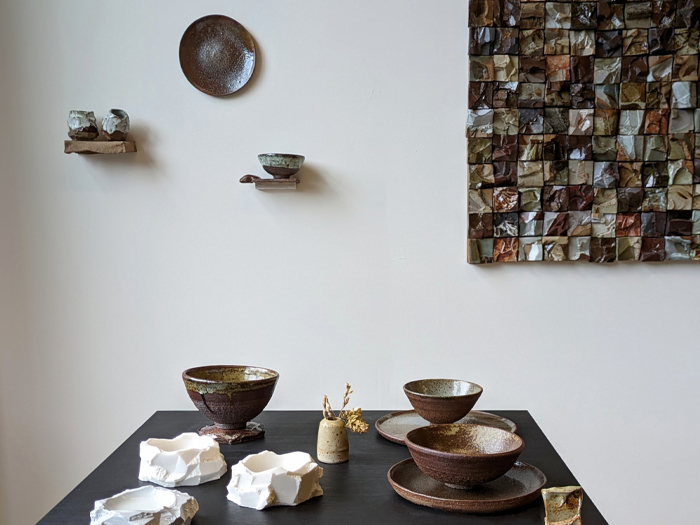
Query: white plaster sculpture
[(145, 506), (187, 460), (267, 479)]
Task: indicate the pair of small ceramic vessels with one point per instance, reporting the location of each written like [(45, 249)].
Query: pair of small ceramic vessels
[(82, 125), (462, 456)]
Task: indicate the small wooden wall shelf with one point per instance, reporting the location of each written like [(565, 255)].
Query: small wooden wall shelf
[(271, 184), (104, 147)]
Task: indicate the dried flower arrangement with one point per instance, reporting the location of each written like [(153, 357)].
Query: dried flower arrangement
[(352, 418)]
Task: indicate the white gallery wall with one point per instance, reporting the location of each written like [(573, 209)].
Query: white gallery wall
[(118, 273)]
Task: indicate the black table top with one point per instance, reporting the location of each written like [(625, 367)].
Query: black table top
[(356, 492)]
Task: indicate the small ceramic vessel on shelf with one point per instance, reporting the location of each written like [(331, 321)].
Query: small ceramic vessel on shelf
[(231, 396), (145, 506), (442, 400), (282, 167), (82, 125), (267, 479), (187, 460), (116, 125)]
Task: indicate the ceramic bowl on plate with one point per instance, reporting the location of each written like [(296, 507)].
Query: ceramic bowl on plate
[(463, 456), (231, 396), (442, 400), (281, 165)]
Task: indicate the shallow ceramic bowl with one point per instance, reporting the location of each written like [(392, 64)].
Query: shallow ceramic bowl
[(230, 395), (442, 400), (463, 456), (281, 165)]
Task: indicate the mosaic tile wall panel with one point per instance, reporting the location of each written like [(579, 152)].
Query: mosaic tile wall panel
[(583, 131)]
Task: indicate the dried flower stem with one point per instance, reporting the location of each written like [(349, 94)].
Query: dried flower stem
[(346, 399), (327, 411), (352, 418)]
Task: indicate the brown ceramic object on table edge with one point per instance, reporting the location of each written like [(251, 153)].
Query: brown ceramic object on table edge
[(231, 396), (442, 400), (463, 456)]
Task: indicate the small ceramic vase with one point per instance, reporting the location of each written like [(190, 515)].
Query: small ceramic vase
[(82, 125), (115, 126), (332, 445)]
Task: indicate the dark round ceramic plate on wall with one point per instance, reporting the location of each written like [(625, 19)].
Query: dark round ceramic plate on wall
[(217, 55)]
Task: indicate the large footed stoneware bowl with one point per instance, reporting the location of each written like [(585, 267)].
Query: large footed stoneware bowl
[(231, 396), (464, 456), (442, 400)]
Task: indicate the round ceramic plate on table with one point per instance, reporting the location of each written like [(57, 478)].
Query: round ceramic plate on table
[(517, 487), (217, 55), (394, 427)]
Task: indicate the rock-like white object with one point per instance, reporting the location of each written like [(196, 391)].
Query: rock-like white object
[(268, 479), (187, 460), (145, 506)]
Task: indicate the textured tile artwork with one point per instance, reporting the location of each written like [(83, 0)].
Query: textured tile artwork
[(583, 131)]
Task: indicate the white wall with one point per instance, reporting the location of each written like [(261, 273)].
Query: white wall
[(118, 273)]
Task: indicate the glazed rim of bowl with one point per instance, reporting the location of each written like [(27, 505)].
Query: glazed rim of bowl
[(412, 387), (249, 374), (286, 155), (119, 113), (508, 436)]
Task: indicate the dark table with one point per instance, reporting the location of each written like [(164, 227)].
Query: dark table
[(355, 493)]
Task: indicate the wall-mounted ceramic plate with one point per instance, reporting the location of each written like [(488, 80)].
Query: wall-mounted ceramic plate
[(217, 55), (394, 427), (517, 487)]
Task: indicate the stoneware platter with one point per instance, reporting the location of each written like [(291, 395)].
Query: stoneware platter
[(395, 426), (518, 487), (217, 55)]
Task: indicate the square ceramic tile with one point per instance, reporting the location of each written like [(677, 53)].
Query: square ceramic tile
[(556, 248), (530, 249), (505, 249)]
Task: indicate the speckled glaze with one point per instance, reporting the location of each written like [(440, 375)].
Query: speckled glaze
[(518, 487), (230, 395), (116, 125), (332, 444), (442, 400), (463, 456), (82, 125), (396, 425), (281, 165), (217, 55)]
